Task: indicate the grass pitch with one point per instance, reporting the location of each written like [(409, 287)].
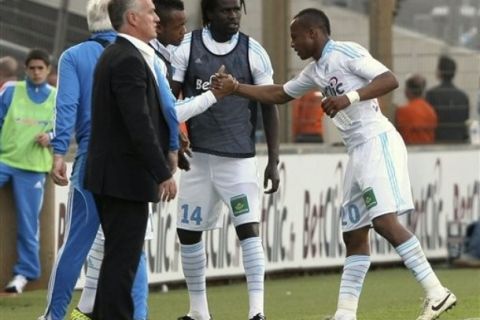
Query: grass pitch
[(388, 294)]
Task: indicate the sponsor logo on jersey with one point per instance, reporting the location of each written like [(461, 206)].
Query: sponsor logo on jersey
[(369, 198), (334, 88), (239, 205)]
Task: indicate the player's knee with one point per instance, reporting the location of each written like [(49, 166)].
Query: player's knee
[(247, 230), (189, 237)]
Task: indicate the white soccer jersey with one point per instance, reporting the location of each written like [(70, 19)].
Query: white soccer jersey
[(345, 67), (260, 65)]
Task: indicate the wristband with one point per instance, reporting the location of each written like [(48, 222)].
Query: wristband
[(353, 97)]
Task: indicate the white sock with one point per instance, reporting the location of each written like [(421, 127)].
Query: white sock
[(194, 264), (254, 265), (94, 262), (355, 269), (415, 260)]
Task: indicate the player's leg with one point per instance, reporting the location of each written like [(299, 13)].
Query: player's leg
[(94, 263), (28, 190), (81, 226), (198, 210), (395, 191), (236, 181), (140, 290), (254, 266), (438, 298)]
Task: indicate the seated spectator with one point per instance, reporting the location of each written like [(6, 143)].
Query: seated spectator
[(26, 112), (450, 103), (470, 256), (307, 116), (416, 121)]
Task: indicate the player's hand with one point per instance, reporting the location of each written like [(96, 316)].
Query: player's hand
[(167, 190), (331, 105), (173, 161), (59, 171), (184, 152), (43, 139), (271, 174)]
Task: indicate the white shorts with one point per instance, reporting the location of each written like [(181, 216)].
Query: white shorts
[(213, 182), (376, 181)]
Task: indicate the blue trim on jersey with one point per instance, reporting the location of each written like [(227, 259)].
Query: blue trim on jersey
[(391, 170), (73, 103), (256, 48), (348, 49), (327, 48)]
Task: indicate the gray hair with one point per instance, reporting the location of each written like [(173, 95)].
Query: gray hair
[(117, 10), (97, 16), (8, 67)]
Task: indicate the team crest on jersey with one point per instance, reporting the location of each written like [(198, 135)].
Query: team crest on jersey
[(334, 88), (369, 198), (239, 205)]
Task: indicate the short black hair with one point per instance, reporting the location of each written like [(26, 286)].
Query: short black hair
[(314, 17), (416, 85), (38, 54), (447, 67), (164, 7), (210, 5)]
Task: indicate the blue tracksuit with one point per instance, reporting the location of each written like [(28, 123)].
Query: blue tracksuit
[(73, 113), (28, 190)]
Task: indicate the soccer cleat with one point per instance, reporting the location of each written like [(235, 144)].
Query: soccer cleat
[(190, 318), (342, 317), (79, 315), (17, 284), (259, 316), (432, 309)]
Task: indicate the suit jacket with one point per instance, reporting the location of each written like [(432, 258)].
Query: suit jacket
[(129, 140)]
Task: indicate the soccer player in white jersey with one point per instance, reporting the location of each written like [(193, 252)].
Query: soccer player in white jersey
[(223, 166), (376, 184)]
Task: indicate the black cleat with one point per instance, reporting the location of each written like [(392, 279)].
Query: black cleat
[(259, 316), (185, 318)]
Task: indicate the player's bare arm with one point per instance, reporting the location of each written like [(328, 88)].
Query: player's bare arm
[(268, 94), (271, 123)]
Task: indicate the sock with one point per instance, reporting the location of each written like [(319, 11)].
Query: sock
[(194, 264), (254, 265), (94, 262), (354, 271), (414, 259)]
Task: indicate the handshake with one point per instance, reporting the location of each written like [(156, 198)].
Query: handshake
[(223, 84)]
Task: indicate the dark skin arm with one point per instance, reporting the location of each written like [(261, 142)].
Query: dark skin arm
[(271, 123), (380, 85), (270, 94)]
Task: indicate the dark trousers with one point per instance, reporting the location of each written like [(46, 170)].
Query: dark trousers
[(124, 223)]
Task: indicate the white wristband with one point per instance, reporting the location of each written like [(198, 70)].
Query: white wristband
[(353, 97)]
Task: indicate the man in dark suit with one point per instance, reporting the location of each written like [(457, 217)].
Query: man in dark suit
[(126, 164)]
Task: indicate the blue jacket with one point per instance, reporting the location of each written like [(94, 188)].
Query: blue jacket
[(73, 104)]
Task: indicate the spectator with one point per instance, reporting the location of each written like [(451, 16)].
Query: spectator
[(470, 256), (8, 70), (26, 112), (307, 117), (416, 121), (450, 103)]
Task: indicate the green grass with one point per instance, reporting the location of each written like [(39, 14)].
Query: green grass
[(389, 294)]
